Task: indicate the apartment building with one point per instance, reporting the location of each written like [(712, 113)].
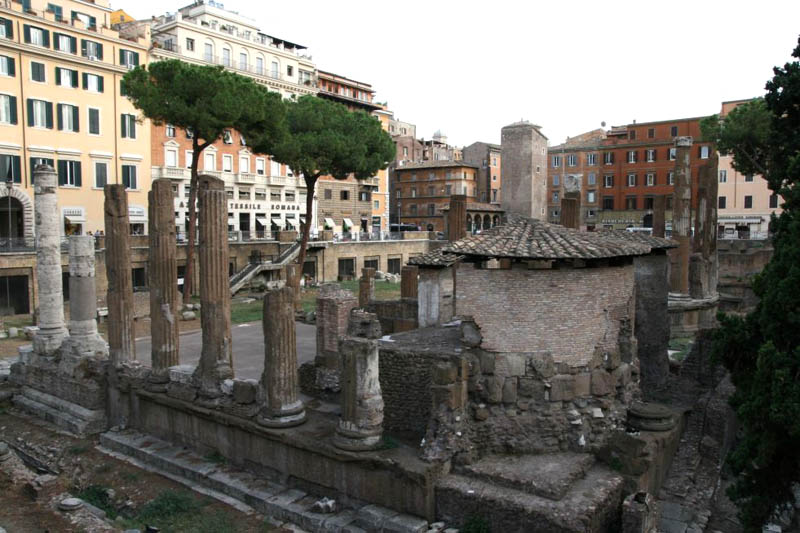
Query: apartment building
[(352, 205), (745, 202), (488, 158), (263, 195), (422, 190), (617, 176), (60, 69)]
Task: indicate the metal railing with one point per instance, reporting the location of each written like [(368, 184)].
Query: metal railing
[(25, 244)]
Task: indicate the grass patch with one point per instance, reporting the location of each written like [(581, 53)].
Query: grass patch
[(97, 495), (129, 477), (17, 321), (249, 312), (179, 510), (681, 345)]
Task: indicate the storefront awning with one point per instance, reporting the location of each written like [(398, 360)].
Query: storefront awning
[(290, 222), (329, 223), (263, 221), (347, 223), (302, 219)]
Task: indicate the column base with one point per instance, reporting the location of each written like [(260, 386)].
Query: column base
[(351, 438), (293, 415), (47, 341)]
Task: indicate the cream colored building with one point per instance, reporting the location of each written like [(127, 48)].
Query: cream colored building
[(60, 103), (745, 202)]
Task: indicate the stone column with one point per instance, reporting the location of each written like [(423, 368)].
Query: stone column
[(293, 277), (457, 217), (681, 215), (366, 287), (119, 296), (48, 263), (570, 211), (659, 215), (83, 337), (333, 311), (216, 357), (361, 424), (408, 282), (282, 407), (163, 281)]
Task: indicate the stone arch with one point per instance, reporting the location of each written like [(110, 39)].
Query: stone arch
[(477, 220), (27, 209), (487, 222), (469, 223)]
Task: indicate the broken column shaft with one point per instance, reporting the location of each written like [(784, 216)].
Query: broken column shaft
[(681, 215), (216, 363), (361, 424), (282, 407), (83, 336), (409, 276), (366, 287), (163, 281), (659, 215), (119, 296), (457, 217), (48, 264)]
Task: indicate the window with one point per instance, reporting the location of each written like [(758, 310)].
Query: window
[(8, 109), (129, 176), (673, 153), (556, 161), (412, 209), (748, 202), (721, 202), (494, 161), (69, 173), (87, 20), (431, 191), (591, 159), (394, 265), (260, 166), (36, 36), (572, 160), (673, 131), (6, 28), (405, 151), (227, 163), (189, 158), (608, 158), (431, 209), (190, 44), (630, 202), (376, 204), (591, 197), (10, 166), (651, 179), (431, 175), (608, 203), (244, 194), (631, 180), (128, 59), (555, 197), (591, 179), (40, 114), (171, 158), (651, 133), (100, 174), (344, 195), (555, 180), (608, 181), (289, 70), (65, 43), (632, 156), (329, 194), (7, 65), (67, 78), (226, 57), (275, 168), (651, 155), (448, 189), (208, 54), (773, 201), (227, 137), (92, 82), (260, 65), (37, 72), (670, 178), (128, 126), (748, 178), (704, 152), (170, 130), (91, 50), (94, 121), (210, 161), (723, 176), (244, 164), (242, 61)]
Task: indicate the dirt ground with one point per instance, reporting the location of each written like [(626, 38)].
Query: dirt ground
[(45, 467)]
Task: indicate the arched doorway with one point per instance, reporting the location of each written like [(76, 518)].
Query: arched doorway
[(487, 222), (477, 223), (12, 223), (469, 223)]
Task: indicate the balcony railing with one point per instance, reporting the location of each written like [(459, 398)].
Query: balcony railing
[(245, 177)]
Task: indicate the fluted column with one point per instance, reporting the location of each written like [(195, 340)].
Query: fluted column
[(361, 423), (282, 405), (163, 281), (52, 330), (216, 357), (119, 296), (681, 215), (457, 217)]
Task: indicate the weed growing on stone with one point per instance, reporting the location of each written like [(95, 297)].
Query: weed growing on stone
[(216, 458)]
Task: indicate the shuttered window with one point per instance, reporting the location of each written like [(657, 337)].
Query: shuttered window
[(69, 173), (8, 109)]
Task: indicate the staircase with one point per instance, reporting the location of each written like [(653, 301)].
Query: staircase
[(241, 278), (552, 493)]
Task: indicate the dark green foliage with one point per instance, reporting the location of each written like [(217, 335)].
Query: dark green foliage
[(762, 350), (97, 495)]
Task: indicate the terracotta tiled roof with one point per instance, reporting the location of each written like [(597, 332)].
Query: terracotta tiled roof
[(435, 258), (526, 238), (436, 164), (477, 206), (654, 243)]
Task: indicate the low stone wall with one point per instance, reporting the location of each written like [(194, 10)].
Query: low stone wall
[(395, 316)]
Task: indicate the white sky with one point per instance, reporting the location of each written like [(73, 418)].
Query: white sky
[(469, 68)]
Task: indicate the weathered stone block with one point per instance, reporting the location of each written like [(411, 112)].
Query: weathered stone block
[(510, 390), (602, 383), (182, 392), (509, 365), (444, 394), (622, 375), (562, 388), (582, 384), (494, 389), (487, 362), (541, 364), (244, 390), (444, 373), (528, 387)]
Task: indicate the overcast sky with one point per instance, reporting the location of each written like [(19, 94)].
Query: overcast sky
[(469, 68)]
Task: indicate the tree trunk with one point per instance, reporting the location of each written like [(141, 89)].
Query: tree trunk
[(197, 151), (311, 182)]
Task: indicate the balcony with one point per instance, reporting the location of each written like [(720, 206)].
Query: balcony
[(176, 173), (278, 180), (245, 177)]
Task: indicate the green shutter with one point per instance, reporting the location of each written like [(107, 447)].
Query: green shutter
[(100, 83), (99, 51), (73, 45), (123, 125), (94, 121), (125, 176), (26, 30), (46, 38), (74, 78), (16, 169), (76, 119), (62, 172), (121, 56), (83, 48), (12, 104), (77, 177), (132, 127), (59, 111), (49, 114), (136, 58), (85, 81), (11, 66), (9, 28), (29, 107)]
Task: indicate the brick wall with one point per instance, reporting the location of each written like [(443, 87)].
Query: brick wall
[(567, 312)]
